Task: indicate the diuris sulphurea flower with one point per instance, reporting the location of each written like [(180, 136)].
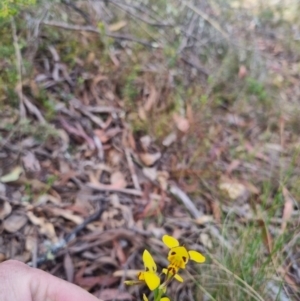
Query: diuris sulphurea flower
[(179, 256), (149, 276)]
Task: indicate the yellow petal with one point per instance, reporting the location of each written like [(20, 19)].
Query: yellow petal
[(145, 298), (170, 241), (149, 262), (165, 299), (178, 278), (152, 280), (196, 256), (178, 257)]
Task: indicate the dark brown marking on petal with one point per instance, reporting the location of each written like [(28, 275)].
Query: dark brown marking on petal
[(184, 258), (173, 253), (171, 270), (147, 269)]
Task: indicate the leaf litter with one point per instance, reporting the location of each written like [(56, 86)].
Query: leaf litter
[(82, 192)]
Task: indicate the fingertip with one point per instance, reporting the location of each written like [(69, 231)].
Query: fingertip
[(44, 286)]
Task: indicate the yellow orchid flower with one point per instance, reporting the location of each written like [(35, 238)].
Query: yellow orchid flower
[(162, 299), (148, 276), (179, 256)]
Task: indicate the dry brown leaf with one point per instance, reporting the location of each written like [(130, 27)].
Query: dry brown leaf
[(251, 188), (23, 257), (78, 132), (90, 282), (182, 123), (30, 243), (13, 176), (131, 274), (117, 26), (142, 113), (69, 267), (30, 162), (234, 189), (232, 166), (114, 58), (117, 180), (153, 208), (171, 138), (2, 189), (162, 178), (287, 277), (14, 222), (150, 173), (242, 71), (266, 236), (236, 120), (112, 132), (151, 99), (119, 252), (206, 240), (113, 294), (45, 198), (46, 228), (145, 142), (67, 215), (115, 157), (149, 159), (288, 208), (204, 219), (107, 260), (216, 210), (130, 140), (91, 58), (103, 137), (5, 209)]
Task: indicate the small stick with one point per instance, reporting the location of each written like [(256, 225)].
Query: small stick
[(183, 197), (132, 170), (204, 16), (95, 30)]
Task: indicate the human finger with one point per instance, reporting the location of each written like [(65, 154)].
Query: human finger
[(22, 283)]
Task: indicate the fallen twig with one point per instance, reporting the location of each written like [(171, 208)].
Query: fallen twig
[(95, 30), (132, 170), (204, 16), (183, 197)]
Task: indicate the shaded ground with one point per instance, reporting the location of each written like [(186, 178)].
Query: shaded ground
[(121, 122)]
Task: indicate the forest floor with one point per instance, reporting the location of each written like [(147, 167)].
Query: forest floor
[(122, 121)]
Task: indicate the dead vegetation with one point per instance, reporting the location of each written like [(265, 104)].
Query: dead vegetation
[(124, 121)]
